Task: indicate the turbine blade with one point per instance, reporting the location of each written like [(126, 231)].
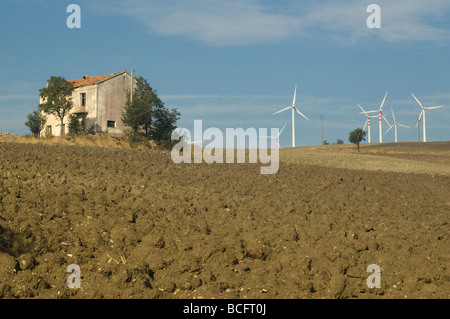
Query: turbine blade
[(433, 107), (420, 115), (403, 125), (382, 103), (286, 108), (393, 116), (365, 124), (389, 129), (282, 129), (362, 109), (375, 111), (384, 118), (417, 100), (295, 94), (301, 113)]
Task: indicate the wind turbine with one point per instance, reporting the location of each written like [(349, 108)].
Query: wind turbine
[(395, 124), (293, 117), (380, 115), (367, 123), (276, 137), (422, 112)]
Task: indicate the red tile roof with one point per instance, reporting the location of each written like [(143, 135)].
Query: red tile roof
[(88, 80)]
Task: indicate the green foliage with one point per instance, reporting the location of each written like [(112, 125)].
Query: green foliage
[(163, 126), (339, 141), (57, 97), (357, 136), (36, 122), (138, 113), (76, 126), (147, 116)]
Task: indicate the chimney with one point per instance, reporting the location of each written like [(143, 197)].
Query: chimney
[(131, 90)]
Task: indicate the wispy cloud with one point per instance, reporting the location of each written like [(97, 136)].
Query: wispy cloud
[(18, 97), (250, 22), (19, 90), (401, 20), (215, 22)]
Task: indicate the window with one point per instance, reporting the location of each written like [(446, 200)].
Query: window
[(83, 99), (111, 124)]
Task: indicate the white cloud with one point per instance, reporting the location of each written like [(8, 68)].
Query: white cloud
[(215, 22), (250, 22), (401, 20)]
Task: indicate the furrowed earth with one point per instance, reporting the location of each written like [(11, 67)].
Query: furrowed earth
[(140, 226)]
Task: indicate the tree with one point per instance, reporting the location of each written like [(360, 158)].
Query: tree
[(36, 122), (147, 116), (77, 125), (138, 113), (57, 97), (357, 136), (164, 124)]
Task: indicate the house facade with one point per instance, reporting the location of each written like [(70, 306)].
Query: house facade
[(100, 100)]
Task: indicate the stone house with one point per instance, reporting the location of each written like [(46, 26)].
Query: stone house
[(100, 100)]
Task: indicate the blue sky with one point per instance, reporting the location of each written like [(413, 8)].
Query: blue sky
[(234, 63)]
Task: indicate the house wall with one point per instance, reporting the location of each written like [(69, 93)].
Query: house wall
[(111, 101), (90, 108), (105, 102)]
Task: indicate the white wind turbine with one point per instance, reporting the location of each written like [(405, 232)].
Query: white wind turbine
[(367, 123), (395, 124), (293, 117), (380, 115), (276, 138), (422, 112)]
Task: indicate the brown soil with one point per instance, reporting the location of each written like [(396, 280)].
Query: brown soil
[(431, 152), (140, 226)]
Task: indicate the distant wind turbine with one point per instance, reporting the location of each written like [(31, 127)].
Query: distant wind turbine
[(380, 115), (422, 112), (395, 125), (276, 138), (293, 117)]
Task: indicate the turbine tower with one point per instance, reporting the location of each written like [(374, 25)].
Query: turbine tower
[(293, 117), (380, 115), (422, 113), (395, 124), (366, 124)]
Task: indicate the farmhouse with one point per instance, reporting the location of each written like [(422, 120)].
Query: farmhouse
[(100, 100)]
